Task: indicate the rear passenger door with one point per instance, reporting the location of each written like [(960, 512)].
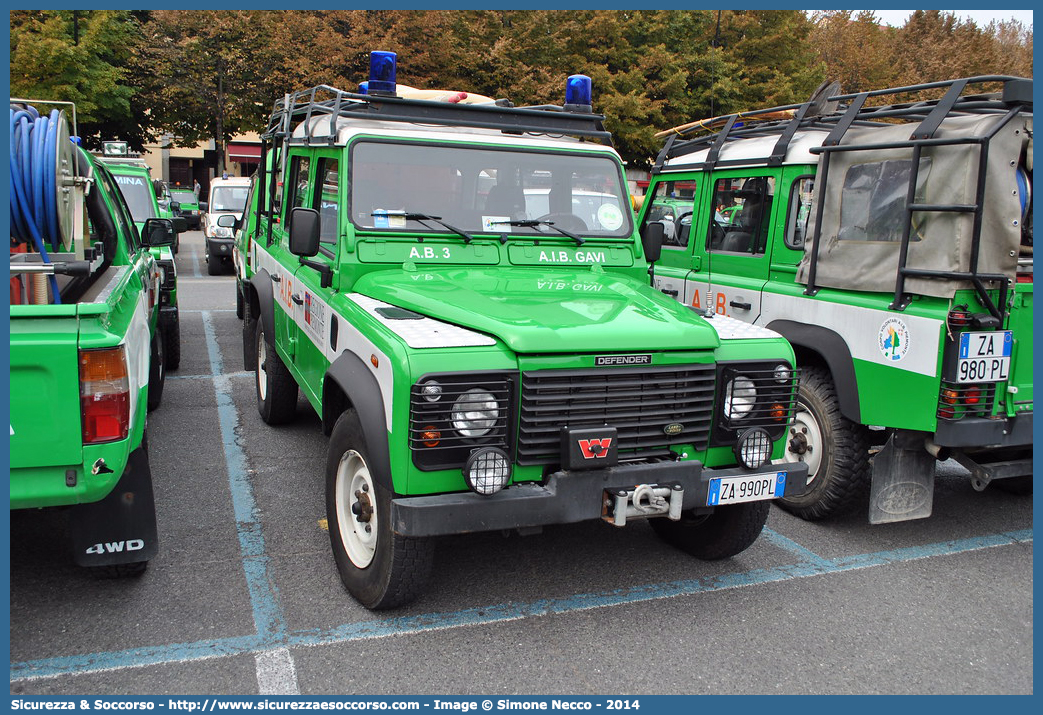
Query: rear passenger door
[(314, 314)]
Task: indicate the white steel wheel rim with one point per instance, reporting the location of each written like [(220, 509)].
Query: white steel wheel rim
[(805, 423), (353, 477), (262, 373)]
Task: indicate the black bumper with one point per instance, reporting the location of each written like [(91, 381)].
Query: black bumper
[(565, 497), (981, 432)]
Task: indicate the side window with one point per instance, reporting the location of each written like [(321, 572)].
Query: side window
[(121, 214), (297, 186), (799, 212), (328, 199), (671, 208), (741, 212), (872, 205)]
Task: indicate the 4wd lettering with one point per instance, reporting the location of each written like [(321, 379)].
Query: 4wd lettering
[(595, 448), (473, 379), (115, 547)]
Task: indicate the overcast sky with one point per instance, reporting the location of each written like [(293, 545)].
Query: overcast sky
[(980, 17)]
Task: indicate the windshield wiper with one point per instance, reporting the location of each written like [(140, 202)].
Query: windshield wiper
[(425, 217), (532, 222)]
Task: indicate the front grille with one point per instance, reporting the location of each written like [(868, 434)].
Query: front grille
[(639, 402)]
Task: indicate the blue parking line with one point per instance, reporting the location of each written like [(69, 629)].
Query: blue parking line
[(793, 547), (500, 613), (264, 595), (238, 373)]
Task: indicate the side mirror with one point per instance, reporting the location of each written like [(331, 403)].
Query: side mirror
[(228, 221), (180, 224), (652, 240), (304, 231), (159, 232), (175, 206), (202, 205)]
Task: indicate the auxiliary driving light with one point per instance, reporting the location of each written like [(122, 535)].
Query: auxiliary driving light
[(753, 448), (487, 470), (431, 391)]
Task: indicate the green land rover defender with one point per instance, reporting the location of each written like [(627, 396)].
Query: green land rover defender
[(458, 290), (888, 236)]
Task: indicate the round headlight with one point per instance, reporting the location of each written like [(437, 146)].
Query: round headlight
[(753, 448), (740, 395), (431, 391), (474, 413), (487, 470)]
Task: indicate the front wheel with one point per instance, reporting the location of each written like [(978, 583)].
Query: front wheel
[(835, 449), (379, 568), (728, 531), (213, 264), (238, 299), (172, 344), (157, 372), (275, 386)]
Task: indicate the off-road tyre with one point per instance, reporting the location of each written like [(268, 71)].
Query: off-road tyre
[(157, 372), (249, 336), (131, 570), (728, 531), (379, 568), (172, 344), (213, 264), (840, 474), (275, 387)]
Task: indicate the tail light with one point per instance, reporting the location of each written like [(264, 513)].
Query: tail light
[(957, 400), (958, 319), (104, 395)]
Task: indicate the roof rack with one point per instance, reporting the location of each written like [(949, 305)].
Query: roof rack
[(325, 101), (850, 111)]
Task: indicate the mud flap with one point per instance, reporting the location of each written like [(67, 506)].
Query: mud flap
[(903, 480), (121, 528)]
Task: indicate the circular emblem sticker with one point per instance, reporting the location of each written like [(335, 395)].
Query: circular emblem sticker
[(610, 217), (893, 339)]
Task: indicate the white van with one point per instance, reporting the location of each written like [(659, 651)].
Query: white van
[(227, 196)]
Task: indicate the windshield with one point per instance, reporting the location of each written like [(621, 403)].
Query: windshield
[(182, 196), (138, 195), (228, 198), (479, 190)]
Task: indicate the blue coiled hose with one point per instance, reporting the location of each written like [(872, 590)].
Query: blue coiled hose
[(34, 197)]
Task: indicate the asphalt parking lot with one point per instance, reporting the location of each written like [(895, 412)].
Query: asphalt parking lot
[(244, 597)]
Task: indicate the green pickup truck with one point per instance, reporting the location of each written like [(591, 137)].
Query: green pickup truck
[(888, 236), (481, 368), (140, 192), (86, 359)]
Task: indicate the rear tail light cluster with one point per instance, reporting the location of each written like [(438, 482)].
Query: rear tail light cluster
[(104, 395), (958, 400), (959, 319)]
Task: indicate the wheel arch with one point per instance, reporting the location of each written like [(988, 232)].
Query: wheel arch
[(261, 296), (349, 384), (814, 344)]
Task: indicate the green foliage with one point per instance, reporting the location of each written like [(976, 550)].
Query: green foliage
[(214, 74)]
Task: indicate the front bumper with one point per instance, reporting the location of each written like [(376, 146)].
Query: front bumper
[(566, 497)]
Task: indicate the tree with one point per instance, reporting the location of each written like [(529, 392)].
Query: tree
[(84, 57)]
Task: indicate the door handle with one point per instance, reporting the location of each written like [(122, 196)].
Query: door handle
[(669, 292), (740, 306), (276, 277), (296, 298)]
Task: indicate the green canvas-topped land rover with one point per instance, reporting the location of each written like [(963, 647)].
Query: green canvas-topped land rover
[(477, 368), (891, 243)]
